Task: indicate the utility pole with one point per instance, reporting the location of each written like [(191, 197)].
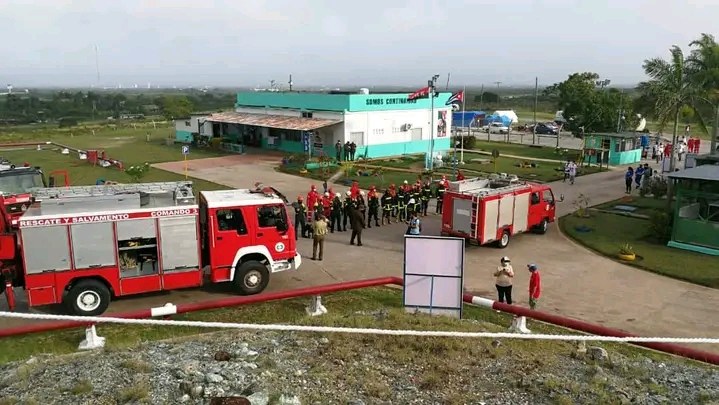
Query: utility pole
[(497, 83), (446, 88), (431, 84), (481, 96), (536, 94), (620, 112), (97, 63), (290, 82)]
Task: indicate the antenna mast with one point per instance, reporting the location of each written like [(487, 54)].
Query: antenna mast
[(97, 63)]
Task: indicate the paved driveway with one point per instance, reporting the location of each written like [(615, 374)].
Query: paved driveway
[(576, 282)]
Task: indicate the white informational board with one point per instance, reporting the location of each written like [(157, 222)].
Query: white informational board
[(434, 275)]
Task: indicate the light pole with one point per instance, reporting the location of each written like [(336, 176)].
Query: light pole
[(431, 85)]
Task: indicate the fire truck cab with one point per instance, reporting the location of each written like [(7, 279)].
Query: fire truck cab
[(83, 246), (492, 210)]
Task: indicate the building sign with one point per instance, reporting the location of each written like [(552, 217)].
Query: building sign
[(86, 219), (389, 101)]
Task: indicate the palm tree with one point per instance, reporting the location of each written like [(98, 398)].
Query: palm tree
[(671, 87), (704, 63)]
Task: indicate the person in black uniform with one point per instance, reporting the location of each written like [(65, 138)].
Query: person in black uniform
[(440, 197), (336, 214), (415, 195), (402, 204), (300, 217), (425, 195), (346, 207), (387, 203), (373, 205)]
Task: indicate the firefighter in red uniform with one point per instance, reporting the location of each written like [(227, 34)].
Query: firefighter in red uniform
[(326, 205), (354, 190), (313, 202), (460, 176), (373, 207)]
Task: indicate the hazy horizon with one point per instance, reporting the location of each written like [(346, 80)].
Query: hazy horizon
[(368, 44)]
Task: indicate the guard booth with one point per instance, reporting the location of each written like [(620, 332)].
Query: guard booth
[(612, 149), (696, 212)]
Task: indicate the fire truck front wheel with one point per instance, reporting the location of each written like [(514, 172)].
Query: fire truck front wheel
[(251, 277), (88, 298)]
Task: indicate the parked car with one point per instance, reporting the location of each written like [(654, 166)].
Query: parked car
[(544, 129), (496, 128)]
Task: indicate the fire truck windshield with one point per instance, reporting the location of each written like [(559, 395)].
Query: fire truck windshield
[(19, 183)]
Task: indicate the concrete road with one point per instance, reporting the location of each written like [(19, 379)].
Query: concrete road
[(576, 282)]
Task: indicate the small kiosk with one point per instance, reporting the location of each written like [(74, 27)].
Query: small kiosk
[(612, 149), (696, 212)]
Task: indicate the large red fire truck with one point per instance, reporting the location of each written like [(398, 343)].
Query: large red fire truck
[(495, 209), (82, 246), (17, 181)]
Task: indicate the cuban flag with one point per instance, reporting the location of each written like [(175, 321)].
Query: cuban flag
[(456, 98)]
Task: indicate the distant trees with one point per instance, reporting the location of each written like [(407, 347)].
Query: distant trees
[(99, 104), (587, 107), (176, 107)]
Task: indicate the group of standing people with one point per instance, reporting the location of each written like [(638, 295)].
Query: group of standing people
[(330, 212), (345, 152), (641, 175), (504, 277)]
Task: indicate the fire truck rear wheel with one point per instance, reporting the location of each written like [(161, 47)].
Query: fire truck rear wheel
[(251, 277), (88, 298), (503, 242)]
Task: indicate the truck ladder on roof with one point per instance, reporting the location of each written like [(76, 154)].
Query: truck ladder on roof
[(113, 189)]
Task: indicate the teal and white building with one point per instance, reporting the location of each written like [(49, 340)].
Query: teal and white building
[(385, 124)]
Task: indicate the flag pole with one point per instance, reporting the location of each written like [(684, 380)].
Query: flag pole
[(464, 120), (431, 128)]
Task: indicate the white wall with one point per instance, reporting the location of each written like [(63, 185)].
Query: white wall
[(381, 127)]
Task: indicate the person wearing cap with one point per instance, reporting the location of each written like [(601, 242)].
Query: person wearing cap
[(535, 287), (373, 208), (504, 275), (346, 207), (336, 214), (387, 202), (300, 217), (318, 238)]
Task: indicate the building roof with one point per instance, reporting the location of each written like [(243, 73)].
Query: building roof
[(272, 121), (237, 198), (703, 172), (617, 135)]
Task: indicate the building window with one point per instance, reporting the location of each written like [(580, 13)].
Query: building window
[(306, 114), (294, 136), (188, 123), (396, 130), (378, 131)]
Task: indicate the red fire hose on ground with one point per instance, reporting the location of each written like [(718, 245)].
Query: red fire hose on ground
[(582, 326)]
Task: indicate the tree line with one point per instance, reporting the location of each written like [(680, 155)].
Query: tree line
[(24, 108)]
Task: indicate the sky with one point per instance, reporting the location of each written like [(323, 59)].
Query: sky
[(339, 43)]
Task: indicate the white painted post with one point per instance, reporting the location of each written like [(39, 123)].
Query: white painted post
[(316, 308), (91, 341), (519, 325)]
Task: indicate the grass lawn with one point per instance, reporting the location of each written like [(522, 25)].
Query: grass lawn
[(644, 205), (609, 231), (125, 144), (348, 309), (539, 152), (528, 116), (382, 181)]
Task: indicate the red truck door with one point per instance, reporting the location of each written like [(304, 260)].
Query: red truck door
[(273, 231), (541, 206), (228, 230)]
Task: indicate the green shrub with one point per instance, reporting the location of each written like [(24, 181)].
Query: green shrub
[(658, 186), (660, 225), (469, 141)]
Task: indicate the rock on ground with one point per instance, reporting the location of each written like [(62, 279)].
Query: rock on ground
[(292, 369)]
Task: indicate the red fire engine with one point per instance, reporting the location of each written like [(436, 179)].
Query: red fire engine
[(82, 246), (16, 184), (496, 208)]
